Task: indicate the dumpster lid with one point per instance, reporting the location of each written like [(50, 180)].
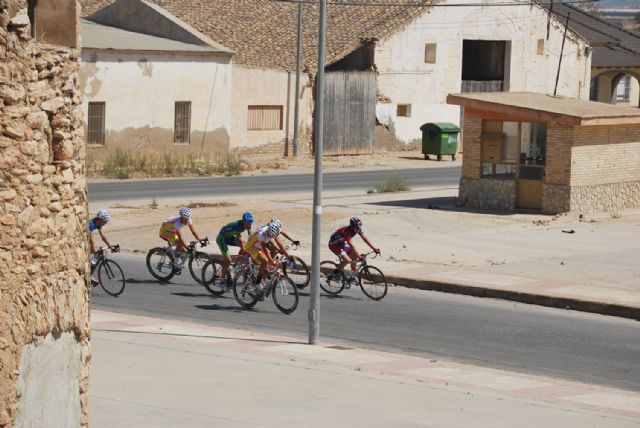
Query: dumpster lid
[(442, 126)]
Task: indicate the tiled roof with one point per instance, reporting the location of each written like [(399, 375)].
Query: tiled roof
[(96, 36), (263, 32), (612, 46)]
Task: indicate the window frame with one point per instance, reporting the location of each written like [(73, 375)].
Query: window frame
[(430, 53), (260, 121), (182, 130), (91, 121), (407, 110)]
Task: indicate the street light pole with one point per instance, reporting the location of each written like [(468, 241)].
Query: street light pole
[(296, 114), (314, 305)]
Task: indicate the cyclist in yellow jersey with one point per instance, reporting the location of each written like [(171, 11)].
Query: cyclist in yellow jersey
[(170, 231), (257, 247)]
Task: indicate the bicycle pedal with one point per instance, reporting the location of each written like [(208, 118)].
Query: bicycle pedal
[(177, 271)]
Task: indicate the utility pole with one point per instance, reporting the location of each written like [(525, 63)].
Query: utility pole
[(566, 25), (296, 114), (314, 305)]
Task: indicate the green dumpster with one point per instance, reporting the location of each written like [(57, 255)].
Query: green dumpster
[(440, 138)]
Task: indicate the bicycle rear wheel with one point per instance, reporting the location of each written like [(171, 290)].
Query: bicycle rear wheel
[(372, 282), (241, 285), (111, 277), (285, 294), (298, 271), (160, 264), (196, 263), (331, 282), (210, 278)]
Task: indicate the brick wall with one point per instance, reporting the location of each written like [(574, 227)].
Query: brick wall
[(471, 162), (558, 164), (44, 330)]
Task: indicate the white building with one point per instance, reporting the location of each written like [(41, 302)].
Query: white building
[(152, 94)]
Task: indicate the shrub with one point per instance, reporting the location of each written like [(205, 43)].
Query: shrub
[(391, 184)]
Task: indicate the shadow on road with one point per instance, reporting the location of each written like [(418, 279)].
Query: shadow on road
[(215, 307), (184, 294), (445, 203)]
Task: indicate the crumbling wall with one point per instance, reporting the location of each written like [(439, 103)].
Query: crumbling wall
[(44, 321)]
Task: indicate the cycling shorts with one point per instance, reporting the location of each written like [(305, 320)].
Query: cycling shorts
[(340, 248), (224, 243), (169, 233)]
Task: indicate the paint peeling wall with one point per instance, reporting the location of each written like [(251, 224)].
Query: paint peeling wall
[(253, 86), (140, 91), (407, 79)]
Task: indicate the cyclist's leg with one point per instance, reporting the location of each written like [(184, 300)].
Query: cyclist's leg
[(353, 255), (226, 257), (340, 250)]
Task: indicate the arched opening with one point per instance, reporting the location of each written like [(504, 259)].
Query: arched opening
[(625, 90)]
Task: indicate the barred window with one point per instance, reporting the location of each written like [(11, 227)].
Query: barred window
[(182, 127), (430, 53), (264, 118), (95, 128), (403, 110)]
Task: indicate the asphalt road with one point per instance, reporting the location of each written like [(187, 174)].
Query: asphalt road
[(272, 183), (563, 344)]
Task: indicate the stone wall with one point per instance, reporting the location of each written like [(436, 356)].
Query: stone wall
[(605, 197), (43, 212), (555, 198), (487, 194)]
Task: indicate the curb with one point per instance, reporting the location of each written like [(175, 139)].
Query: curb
[(610, 309)]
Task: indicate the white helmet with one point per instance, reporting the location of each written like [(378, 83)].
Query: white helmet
[(103, 215), (184, 212), (274, 228)]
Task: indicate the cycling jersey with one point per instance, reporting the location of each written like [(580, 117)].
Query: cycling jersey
[(229, 235), (93, 225), (343, 234), (170, 227), (257, 241)]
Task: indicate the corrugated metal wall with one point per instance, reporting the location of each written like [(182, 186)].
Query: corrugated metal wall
[(349, 112)]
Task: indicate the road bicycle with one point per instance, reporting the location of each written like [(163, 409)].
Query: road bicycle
[(162, 264), (281, 288), (369, 278), (212, 274), (110, 273), (294, 267)]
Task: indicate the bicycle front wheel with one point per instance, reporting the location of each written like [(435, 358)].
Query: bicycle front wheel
[(372, 282), (242, 284), (298, 271), (111, 277), (285, 294), (160, 264), (210, 278), (196, 263), (331, 278)]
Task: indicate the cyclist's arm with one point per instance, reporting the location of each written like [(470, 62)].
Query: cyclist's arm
[(104, 238), (193, 230), (92, 245), (374, 248), (280, 246), (180, 238)]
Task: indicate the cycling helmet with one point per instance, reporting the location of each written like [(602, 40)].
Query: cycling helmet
[(103, 215), (184, 212), (274, 228), (247, 217), (276, 221), (356, 223)]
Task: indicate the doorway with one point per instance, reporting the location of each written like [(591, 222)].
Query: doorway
[(531, 165)]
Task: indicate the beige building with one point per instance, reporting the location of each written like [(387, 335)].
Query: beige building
[(553, 154), (44, 295)]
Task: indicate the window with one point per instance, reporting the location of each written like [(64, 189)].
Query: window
[(499, 149), (540, 50), (593, 89), (95, 128), (404, 110), (264, 118), (182, 126), (430, 53), (623, 88)]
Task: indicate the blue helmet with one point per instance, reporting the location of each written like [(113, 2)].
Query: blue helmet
[(247, 217)]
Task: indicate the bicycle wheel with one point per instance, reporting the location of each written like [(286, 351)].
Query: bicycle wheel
[(330, 282), (160, 264), (285, 294), (196, 263), (298, 272), (241, 284), (373, 283), (111, 277), (210, 276)]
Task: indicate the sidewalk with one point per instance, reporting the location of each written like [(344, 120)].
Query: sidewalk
[(149, 372)]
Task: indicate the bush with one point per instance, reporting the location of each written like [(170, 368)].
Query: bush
[(390, 185)]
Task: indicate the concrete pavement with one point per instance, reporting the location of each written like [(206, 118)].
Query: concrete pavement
[(149, 372)]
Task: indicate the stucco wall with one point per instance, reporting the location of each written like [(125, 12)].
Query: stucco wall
[(253, 86), (140, 90), (44, 298), (405, 78)]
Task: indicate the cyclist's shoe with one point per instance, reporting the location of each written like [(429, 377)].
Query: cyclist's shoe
[(222, 284), (94, 282), (251, 291), (349, 279), (177, 271), (260, 292)]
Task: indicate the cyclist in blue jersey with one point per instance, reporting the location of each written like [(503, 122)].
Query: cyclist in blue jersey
[(231, 235), (97, 223)]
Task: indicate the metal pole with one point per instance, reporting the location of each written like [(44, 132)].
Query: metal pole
[(296, 114), (314, 305), (566, 25)]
